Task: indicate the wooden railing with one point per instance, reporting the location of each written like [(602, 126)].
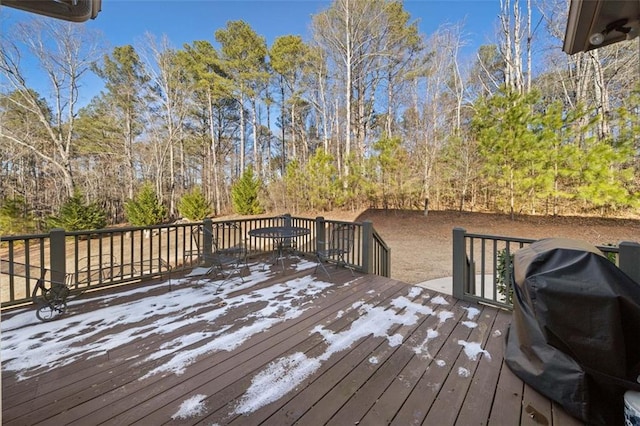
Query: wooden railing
[(482, 265), (116, 256)]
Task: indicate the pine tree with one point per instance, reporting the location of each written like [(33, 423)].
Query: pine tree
[(505, 128), (323, 183), (14, 217), (244, 194), (76, 215), (145, 209), (194, 206)]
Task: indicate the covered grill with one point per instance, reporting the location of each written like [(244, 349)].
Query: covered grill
[(575, 334)]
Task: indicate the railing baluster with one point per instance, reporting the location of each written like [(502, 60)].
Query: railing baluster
[(12, 281), (483, 245), (27, 256)]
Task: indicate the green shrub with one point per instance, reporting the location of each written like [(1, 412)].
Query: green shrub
[(244, 194), (613, 257), (14, 217), (502, 268), (77, 215), (194, 206), (145, 209)]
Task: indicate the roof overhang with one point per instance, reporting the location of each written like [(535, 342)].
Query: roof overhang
[(597, 23), (68, 10)]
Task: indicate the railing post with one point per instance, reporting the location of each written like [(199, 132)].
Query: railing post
[(321, 233), (367, 247), (459, 260), (207, 239), (57, 255), (629, 259)]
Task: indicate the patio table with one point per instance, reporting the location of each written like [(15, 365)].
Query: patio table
[(281, 236)]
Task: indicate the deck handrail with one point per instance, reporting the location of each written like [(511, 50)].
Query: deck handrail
[(482, 265), (115, 256)]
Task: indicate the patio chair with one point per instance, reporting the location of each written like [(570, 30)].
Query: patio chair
[(222, 262), (339, 245), (287, 244)]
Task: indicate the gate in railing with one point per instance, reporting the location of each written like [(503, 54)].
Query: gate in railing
[(113, 256), (482, 265)]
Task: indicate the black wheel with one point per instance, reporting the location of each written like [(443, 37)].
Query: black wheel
[(51, 311)]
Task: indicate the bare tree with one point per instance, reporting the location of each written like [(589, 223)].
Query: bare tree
[(171, 88), (63, 53), (513, 37), (359, 38), (438, 99), (598, 80)]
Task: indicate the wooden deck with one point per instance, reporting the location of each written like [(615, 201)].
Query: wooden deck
[(281, 348)]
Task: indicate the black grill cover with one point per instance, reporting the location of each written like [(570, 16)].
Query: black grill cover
[(575, 334)]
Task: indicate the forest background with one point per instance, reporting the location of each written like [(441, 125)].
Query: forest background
[(368, 112)]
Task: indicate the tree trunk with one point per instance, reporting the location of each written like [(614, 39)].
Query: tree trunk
[(283, 154), (214, 154), (256, 142), (349, 93), (602, 95), (242, 131)]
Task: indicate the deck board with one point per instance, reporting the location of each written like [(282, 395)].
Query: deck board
[(236, 380), (408, 381), (413, 371), (333, 404), (507, 402), (485, 380), (428, 388), (393, 371), (452, 394)]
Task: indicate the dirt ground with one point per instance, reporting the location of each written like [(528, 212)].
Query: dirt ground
[(421, 246)]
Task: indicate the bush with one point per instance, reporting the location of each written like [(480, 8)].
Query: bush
[(14, 218), (244, 194), (145, 209), (501, 275), (613, 257), (76, 215), (194, 206)]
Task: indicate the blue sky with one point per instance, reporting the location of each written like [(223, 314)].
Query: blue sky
[(184, 21)]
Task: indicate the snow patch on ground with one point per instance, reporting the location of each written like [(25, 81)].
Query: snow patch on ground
[(470, 324), (439, 300), (395, 340), (422, 347), (414, 292), (472, 312), (473, 350), (443, 316), (276, 380), (192, 407)]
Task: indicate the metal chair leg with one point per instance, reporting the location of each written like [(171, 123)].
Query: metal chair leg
[(344, 263), (320, 263)]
